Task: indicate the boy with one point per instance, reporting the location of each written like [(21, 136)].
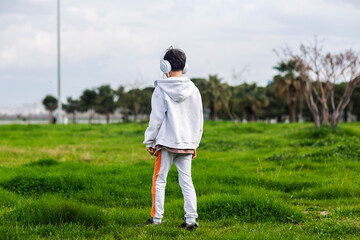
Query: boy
[(174, 133)]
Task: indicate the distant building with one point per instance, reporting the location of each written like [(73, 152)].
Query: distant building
[(36, 108)]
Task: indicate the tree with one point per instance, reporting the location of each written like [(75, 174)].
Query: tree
[(345, 66), (201, 84), (50, 104), (88, 102), (230, 102), (277, 104), (135, 102), (146, 106), (215, 94), (250, 99), (122, 102), (286, 84), (320, 72), (105, 101), (71, 107), (139, 101), (355, 103)]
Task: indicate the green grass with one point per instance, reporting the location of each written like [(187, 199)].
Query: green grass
[(254, 181)]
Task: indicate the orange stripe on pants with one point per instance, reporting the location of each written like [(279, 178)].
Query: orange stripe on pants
[(156, 174)]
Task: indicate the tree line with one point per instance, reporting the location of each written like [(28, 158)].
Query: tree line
[(309, 85), (283, 96), (105, 100)]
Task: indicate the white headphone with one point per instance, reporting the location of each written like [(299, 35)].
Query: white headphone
[(165, 66)]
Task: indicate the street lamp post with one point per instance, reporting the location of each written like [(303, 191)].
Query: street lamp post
[(58, 64)]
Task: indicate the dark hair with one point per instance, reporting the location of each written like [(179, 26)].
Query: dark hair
[(176, 57)]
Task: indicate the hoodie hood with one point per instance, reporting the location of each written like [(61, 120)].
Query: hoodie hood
[(177, 88)]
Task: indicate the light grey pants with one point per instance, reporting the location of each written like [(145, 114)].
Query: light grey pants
[(163, 164)]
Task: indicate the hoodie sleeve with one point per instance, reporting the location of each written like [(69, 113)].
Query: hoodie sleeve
[(157, 115), (201, 120)]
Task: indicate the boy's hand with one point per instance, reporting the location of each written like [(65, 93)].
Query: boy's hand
[(150, 150), (194, 155)]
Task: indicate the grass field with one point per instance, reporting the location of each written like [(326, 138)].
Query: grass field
[(254, 181)]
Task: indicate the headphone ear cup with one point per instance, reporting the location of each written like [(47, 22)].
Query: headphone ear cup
[(186, 68), (165, 66)]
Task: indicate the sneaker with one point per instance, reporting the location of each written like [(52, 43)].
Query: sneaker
[(189, 226), (150, 221)]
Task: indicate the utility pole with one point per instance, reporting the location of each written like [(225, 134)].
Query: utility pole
[(58, 64)]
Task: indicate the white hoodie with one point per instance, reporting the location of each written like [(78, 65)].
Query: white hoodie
[(176, 118)]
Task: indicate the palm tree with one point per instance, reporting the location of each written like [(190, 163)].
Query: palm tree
[(250, 100), (277, 106), (216, 94), (287, 84)]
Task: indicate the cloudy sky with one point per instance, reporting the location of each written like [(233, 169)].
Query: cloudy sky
[(120, 42)]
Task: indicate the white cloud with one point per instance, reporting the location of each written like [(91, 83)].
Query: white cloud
[(22, 46), (118, 42)]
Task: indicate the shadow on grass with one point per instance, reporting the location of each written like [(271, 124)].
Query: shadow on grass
[(50, 210), (47, 162), (251, 206), (38, 185)]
